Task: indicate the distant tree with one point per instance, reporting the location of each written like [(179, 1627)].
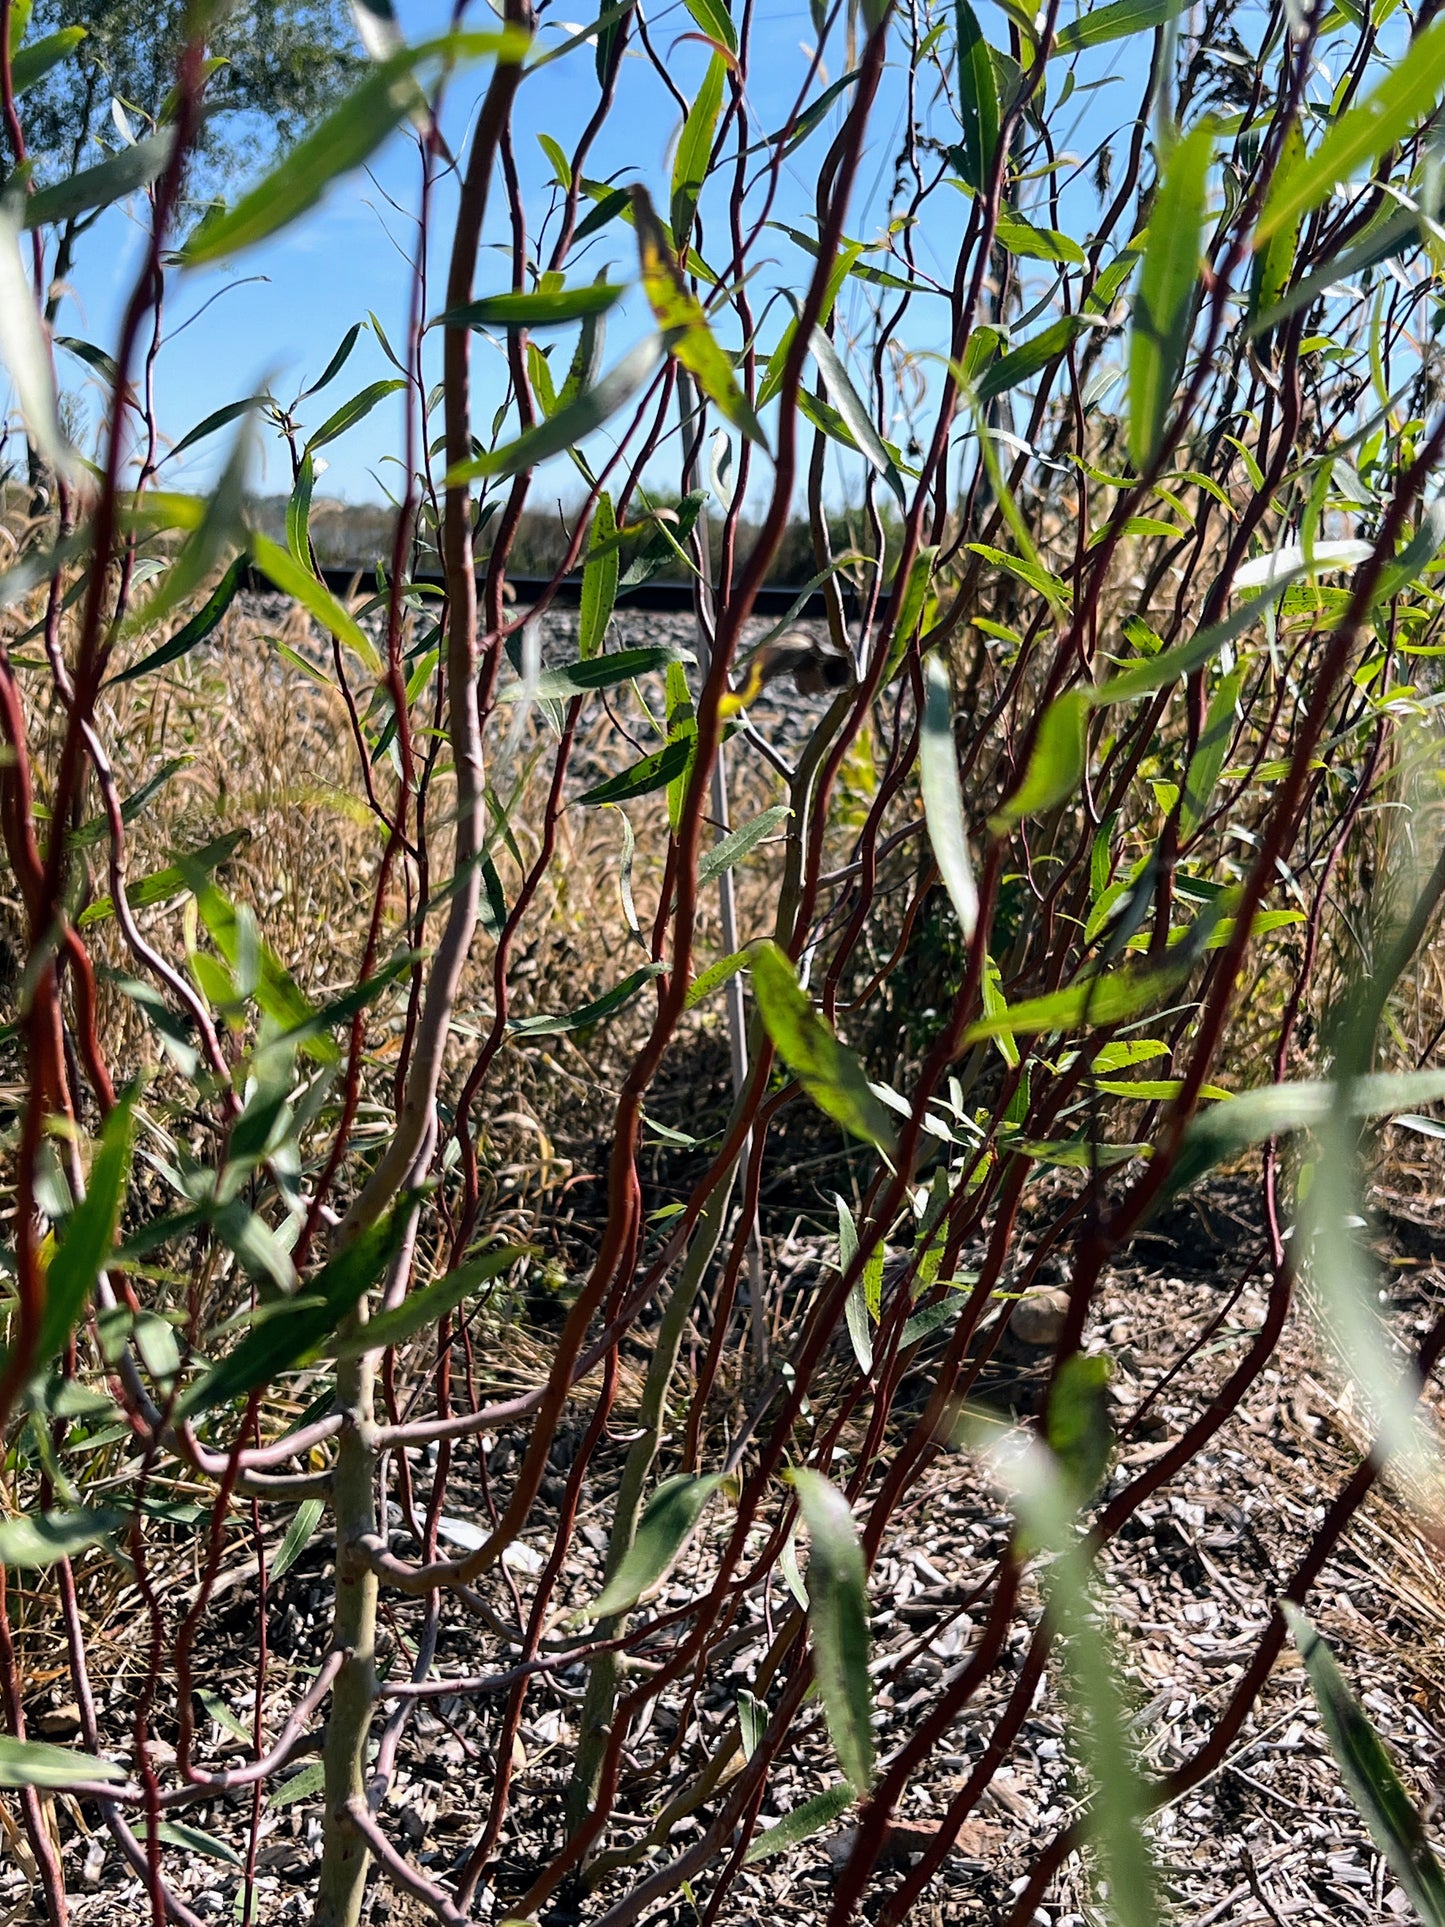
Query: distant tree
[(285, 62)]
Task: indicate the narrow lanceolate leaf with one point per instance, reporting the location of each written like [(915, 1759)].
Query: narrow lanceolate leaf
[(1116, 22), (654, 772), (595, 672), (838, 1615), (572, 422), (1035, 1480), (664, 1529), (551, 309), (88, 1237), (288, 575), (1033, 355), (849, 404), (599, 579), (353, 411), (1370, 1775), (348, 136), (694, 148), (33, 1763), (827, 1070), (22, 345), (295, 1329), (1208, 759), (192, 633), (589, 1014), (943, 798), (1164, 300), (732, 848), (1408, 95), (802, 1823), (1056, 764), (1112, 997), (978, 105), (715, 20), (679, 314), (31, 64), (1274, 261), (431, 1304), (40, 1538), (110, 180), (298, 1537)]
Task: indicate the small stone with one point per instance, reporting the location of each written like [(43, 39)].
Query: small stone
[(1038, 1317)]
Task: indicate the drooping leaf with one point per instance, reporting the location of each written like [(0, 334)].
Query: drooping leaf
[(1208, 759), (1164, 299), (715, 21), (40, 1538), (943, 798), (1274, 260), (167, 882), (589, 1014), (1079, 1432), (653, 772), (599, 579), (109, 180), (666, 1525), (22, 345), (1370, 1775), (193, 1840), (348, 135), (1032, 356), (849, 404), (194, 632), (288, 575), (828, 1071), (838, 1616), (679, 314), (572, 423), (1056, 763), (595, 672), (1389, 114), (978, 104)]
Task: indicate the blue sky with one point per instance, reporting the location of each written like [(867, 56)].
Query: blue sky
[(279, 310)]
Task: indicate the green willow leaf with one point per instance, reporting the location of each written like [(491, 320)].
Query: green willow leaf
[(1116, 22), (599, 579), (828, 1071), (298, 1537), (1369, 1773), (589, 1014), (943, 798), (168, 882), (732, 848), (715, 976), (31, 64), (42, 1538), (347, 137), (572, 422), (1056, 764), (287, 574), (192, 633), (24, 354), (1037, 243), (666, 1525), (1164, 299), (978, 104), (1112, 997), (32, 1763), (1032, 356), (802, 1823), (838, 1616), (694, 147), (1208, 759), (431, 1304), (715, 20), (108, 181), (353, 411), (551, 309), (296, 1328), (89, 1235), (1274, 261), (1407, 96), (654, 772), (595, 672), (680, 316), (849, 404)]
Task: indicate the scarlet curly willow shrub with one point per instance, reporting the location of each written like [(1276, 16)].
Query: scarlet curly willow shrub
[(1089, 360)]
